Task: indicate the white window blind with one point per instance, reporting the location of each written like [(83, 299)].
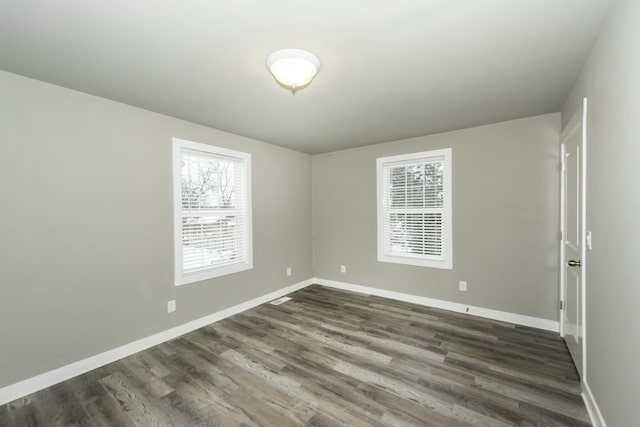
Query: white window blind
[(414, 209), (213, 221)]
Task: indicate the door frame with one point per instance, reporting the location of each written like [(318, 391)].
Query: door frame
[(583, 234)]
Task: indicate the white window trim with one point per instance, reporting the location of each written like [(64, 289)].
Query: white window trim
[(179, 277), (446, 260)]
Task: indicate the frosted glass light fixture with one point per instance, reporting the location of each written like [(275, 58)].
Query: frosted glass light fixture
[(293, 68)]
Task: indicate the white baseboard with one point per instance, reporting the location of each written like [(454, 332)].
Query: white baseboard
[(519, 319), (47, 379), (592, 407)]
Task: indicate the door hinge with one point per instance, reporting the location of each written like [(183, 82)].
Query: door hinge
[(561, 305), (561, 235)]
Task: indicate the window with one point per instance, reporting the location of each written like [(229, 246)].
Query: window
[(212, 211), (414, 209)]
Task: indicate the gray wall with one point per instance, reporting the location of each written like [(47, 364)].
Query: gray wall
[(86, 225), (611, 81), (86, 249), (505, 217)]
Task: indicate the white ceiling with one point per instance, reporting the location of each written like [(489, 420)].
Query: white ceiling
[(390, 69)]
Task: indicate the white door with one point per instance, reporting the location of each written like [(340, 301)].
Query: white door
[(573, 140)]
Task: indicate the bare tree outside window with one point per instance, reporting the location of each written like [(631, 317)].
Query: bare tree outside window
[(208, 203)]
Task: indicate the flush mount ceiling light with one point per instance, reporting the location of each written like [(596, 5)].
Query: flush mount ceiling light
[(293, 68)]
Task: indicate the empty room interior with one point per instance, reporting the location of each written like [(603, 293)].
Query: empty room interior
[(319, 213)]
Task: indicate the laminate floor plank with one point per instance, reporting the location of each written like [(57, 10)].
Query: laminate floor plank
[(327, 357)]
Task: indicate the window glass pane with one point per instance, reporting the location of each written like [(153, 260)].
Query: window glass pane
[(398, 183), (415, 186), (415, 233), (433, 179), (397, 233), (208, 242), (207, 182)]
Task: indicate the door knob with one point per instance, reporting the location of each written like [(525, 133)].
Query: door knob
[(574, 263)]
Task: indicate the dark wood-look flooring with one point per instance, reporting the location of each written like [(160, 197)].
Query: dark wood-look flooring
[(327, 358)]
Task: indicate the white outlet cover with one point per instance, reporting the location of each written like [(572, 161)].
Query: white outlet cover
[(463, 286), (171, 306), (288, 271), (343, 269)]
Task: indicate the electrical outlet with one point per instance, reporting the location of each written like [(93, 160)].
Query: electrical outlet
[(463, 286), (343, 269), (288, 271), (171, 306)]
